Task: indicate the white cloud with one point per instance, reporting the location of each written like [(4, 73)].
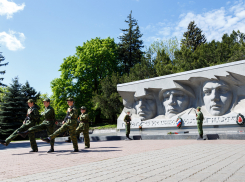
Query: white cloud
[(213, 23), (10, 40), (8, 8)]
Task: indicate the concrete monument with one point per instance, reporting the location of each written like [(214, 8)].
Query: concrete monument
[(158, 102)]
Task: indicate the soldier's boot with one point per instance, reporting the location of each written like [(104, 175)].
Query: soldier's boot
[(51, 149), (199, 137), (127, 138), (23, 134), (75, 150), (69, 140), (47, 140), (86, 147), (202, 137), (3, 142), (34, 150)]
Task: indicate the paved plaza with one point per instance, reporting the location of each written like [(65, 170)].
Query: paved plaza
[(139, 160)]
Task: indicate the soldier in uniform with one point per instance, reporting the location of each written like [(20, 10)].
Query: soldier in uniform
[(48, 124), (30, 121), (84, 126), (199, 118), (127, 120), (69, 124)]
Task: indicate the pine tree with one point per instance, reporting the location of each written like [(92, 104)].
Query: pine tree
[(193, 37), (12, 109), (163, 64), (130, 46), (2, 72), (29, 92)]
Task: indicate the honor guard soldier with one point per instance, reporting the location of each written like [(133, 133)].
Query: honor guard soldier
[(31, 118), (127, 120), (69, 123), (84, 126), (48, 124), (199, 118)]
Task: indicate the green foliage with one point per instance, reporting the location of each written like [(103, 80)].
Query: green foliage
[(81, 74), (130, 44), (2, 58), (12, 110), (29, 93), (169, 46), (231, 48), (193, 37), (140, 71), (163, 64), (103, 126), (109, 101)]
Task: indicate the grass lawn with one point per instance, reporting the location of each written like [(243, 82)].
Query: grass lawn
[(102, 126)]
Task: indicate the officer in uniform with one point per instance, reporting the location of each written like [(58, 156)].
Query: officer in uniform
[(48, 124), (69, 124), (127, 120), (84, 126), (30, 121), (199, 118)]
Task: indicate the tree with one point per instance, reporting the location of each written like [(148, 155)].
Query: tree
[(109, 101), (12, 110), (130, 44), (29, 92), (193, 37), (163, 64), (2, 72), (169, 46), (81, 73)]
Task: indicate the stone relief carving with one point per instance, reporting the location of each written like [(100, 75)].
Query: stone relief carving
[(145, 106), (160, 101), (217, 97)]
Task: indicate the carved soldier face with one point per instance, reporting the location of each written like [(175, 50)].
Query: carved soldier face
[(217, 97), (175, 101), (146, 106)]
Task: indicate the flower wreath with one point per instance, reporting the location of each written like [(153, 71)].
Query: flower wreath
[(179, 122), (240, 119)]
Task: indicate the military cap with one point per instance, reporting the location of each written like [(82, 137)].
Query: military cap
[(47, 100), (69, 99), (83, 108), (199, 108), (30, 100)]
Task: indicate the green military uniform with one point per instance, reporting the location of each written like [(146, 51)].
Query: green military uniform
[(30, 121), (48, 124), (199, 118), (71, 124), (84, 127), (127, 120)]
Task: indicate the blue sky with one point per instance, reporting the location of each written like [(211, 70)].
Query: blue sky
[(35, 36)]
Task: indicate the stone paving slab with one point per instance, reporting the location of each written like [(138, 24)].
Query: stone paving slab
[(149, 160)]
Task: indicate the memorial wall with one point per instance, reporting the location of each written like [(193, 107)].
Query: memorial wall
[(161, 101)]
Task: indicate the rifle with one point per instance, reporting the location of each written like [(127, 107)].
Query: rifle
[(195, 111), (66, 117), (27, 117)]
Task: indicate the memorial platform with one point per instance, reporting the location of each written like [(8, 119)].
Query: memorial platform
[(136, 160)]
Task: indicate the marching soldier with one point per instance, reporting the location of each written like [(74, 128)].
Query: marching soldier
[(199, 118), (84, 126), (48, 124), (30, 121), (69, 123), (127, 120)]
